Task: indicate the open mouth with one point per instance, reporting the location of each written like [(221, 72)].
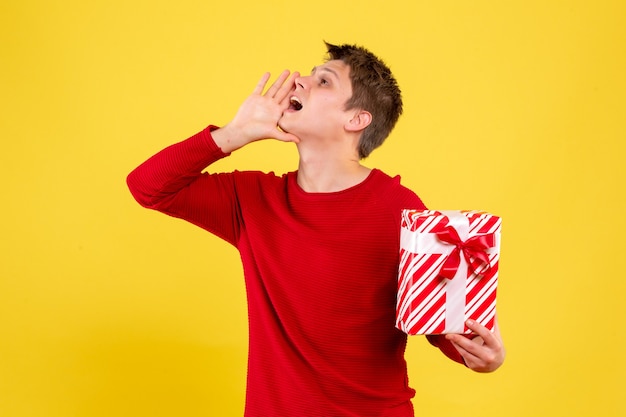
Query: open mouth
[(295, 103)]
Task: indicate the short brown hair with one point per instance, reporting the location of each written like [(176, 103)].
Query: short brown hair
[(374, 89)]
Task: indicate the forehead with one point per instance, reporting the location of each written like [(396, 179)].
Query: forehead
[(335, 67)]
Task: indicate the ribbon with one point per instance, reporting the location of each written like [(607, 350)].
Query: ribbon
[(475, 247)]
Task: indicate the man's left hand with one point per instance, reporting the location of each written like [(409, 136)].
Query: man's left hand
[(483, 353)]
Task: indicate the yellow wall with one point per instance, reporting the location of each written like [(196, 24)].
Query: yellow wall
[(107, 309)]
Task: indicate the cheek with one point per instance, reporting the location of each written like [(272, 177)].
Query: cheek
[(330, 105)]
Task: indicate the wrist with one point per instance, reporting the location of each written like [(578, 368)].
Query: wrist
[(227, 138)]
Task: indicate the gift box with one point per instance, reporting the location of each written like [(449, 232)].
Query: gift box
[(448, 271)]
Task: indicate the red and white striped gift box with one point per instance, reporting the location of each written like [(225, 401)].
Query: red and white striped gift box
[(448, 271)]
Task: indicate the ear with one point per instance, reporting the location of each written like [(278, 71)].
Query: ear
[(360, 120)]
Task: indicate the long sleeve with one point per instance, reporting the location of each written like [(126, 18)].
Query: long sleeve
[(173, 182), (446, 347)]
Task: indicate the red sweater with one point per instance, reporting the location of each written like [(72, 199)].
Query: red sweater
[(321, 277)]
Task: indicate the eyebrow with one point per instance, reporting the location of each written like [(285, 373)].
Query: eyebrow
[(332, 71)]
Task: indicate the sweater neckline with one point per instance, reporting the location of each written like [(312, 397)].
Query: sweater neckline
[(294, 184)]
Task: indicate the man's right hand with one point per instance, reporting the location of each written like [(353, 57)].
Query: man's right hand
[(257, 117)]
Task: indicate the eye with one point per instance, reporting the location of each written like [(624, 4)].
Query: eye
[(324, 81)]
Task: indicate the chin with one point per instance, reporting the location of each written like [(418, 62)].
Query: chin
[(290, 125), (284, 126)]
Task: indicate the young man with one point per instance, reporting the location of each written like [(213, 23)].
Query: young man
[(319, 246)]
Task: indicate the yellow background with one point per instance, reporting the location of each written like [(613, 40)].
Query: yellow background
[(107, 309)]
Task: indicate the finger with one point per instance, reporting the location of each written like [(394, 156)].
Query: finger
[(462, 343), (276, 85), (261, 84), (487, 336), (288, 137), (477, 328), (473, 350), (283, 92), (468, 357), (481, 359), (285, 136)]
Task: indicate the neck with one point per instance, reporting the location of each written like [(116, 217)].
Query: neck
[(328, 174)]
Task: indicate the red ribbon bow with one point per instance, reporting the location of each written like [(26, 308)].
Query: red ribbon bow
[(475, 246)]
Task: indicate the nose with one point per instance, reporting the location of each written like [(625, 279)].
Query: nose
[(301, 82)]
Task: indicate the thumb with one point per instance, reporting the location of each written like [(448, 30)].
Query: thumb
[(285, 136)]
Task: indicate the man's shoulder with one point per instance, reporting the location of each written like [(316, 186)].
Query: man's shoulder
[(393, 191)]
